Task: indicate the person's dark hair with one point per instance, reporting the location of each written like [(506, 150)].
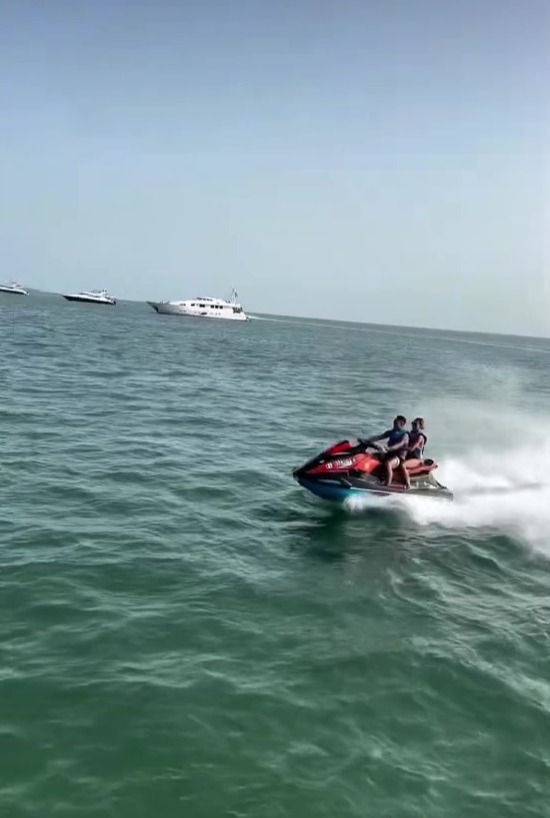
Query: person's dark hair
[(419, 422), (401, 418)]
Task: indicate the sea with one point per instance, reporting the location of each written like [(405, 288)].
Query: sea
[(187, 633)]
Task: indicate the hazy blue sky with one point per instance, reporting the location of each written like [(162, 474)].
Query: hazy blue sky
[(379, 161)]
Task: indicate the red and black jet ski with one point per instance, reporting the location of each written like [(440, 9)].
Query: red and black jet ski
[(355, 469)]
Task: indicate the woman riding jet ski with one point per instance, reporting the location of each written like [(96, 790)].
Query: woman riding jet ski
[(355, 469)]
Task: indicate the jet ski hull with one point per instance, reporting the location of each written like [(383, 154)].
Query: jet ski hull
[(347, 471), (337, 493)]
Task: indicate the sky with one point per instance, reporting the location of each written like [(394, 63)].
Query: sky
[(369, 161)]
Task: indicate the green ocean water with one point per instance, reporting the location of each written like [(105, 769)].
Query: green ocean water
[(185, 632)]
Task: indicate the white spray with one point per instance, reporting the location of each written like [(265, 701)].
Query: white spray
[(494, 455)]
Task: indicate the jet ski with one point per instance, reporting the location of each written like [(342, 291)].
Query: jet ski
[(349, 469)]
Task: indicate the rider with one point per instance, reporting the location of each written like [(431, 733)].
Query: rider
[(417, 440), (396, 449), (415, 449)]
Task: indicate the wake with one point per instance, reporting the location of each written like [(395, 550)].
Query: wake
[(497, 492), (503, 486)]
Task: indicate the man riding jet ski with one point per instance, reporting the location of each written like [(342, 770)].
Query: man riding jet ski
[(402, 448), (349, 469)]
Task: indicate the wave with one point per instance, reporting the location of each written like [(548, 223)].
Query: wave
[(509, 492), (500, 479), (488, 493)]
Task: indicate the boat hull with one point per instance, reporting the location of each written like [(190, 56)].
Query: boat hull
[(337, 493), (13, 292), (167, 308), (82, 300)]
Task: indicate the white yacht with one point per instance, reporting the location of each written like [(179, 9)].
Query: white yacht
[(203, 307), (13, 287), (92, 297)]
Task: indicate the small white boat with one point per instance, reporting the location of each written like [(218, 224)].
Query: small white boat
[(203, 307), (14, 288), (92, 297)]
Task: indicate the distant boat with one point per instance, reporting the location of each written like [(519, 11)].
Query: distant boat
[(203, 307), (92, 297), (14, 288)]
